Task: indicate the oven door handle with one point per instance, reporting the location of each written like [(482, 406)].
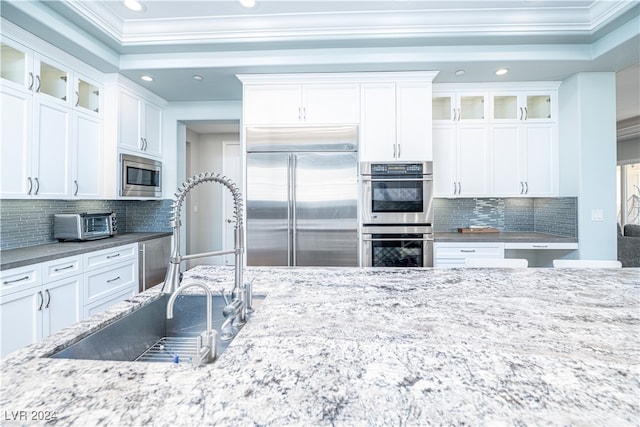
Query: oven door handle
[(426, 178), (424, 239)]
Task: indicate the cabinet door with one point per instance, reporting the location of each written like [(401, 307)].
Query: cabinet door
[(445, 180), (15, 156), (443, 108), (507, 160), (53, 81), (17, 65), (539, 107), (378, 122), (129, 122), (413, 115), (52, 157), (540, 160), (473, 163), (272, 104), (87, 96), (331, 103), (472, 107), (152, 142), (88, 159), (20, 319), (62, 304)]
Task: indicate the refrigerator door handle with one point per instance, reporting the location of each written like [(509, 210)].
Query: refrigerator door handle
[(292, 203)]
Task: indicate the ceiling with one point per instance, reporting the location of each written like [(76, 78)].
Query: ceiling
[(174, 40)]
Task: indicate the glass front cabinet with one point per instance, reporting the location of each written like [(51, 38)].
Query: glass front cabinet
[(521, 107)]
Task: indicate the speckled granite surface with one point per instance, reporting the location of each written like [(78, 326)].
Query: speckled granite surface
[(372, 347), (13, 258)]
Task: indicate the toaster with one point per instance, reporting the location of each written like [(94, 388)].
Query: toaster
[(84, 226)]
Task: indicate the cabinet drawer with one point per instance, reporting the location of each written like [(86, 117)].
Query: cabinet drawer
[(541, 246), (104, 282), (482, 250), (110, 256), (61, 268), (19, 278)]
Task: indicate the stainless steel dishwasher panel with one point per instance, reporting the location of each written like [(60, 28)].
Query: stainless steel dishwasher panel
[(153, 259)]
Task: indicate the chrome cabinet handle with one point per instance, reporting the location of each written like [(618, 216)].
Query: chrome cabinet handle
[(48, 298), (37, 186), (63, 268), (468, 251), (30, 186), (521, 113), (39, 83), (114, 279), (41, 300), (526, 113), (8, 282), (394, 151), (398, 150), (75, 182), (521, 187), (540, 246), (31, 80), (77, 98), (113, 256), (526, 187)]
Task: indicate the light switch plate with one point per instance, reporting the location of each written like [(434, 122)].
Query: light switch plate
[(597, 215)]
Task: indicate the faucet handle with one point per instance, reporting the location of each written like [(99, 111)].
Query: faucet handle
[(226, 298)]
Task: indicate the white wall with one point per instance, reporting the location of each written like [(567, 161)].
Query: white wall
[(587, 154)]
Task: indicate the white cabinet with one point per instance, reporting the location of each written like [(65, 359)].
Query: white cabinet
[(39, 300), (461, 160), (453, 254), (395, 121), (524, 158), (111, 275), (464, 106), (42, 105), (139, 123), (88, 158), (524, 106), (321, 103)]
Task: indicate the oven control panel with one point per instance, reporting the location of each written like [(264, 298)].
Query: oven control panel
[(397, 169)]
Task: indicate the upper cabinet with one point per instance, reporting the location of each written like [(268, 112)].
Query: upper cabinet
[(139, 122), (523, 106), (463, 107), (44, 134), (282, 104), (395, 121)]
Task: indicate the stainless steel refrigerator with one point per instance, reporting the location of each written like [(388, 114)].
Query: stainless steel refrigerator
[(302, 192)]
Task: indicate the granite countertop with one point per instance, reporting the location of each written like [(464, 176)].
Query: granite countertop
[(506, 237), (13, 258), (370, 347)]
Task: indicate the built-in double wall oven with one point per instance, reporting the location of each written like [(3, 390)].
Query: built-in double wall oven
[(397, 214)]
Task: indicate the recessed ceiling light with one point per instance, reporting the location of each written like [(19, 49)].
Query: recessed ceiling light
[(147, 78), (198, 77), (501, 71), (134, 5), (248, 3), (459, 72)]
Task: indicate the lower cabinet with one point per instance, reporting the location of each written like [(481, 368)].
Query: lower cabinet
[(41, 299), (453, 254), (32, 307)]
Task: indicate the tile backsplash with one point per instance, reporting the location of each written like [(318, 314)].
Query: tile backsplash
[(30, 222), (544, 215)]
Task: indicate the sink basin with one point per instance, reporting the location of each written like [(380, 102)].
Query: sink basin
[(147, 335)]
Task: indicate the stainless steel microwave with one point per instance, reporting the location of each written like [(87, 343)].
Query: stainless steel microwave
[(140, 177)]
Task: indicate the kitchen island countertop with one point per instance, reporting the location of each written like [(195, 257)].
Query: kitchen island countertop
[(370, 347)]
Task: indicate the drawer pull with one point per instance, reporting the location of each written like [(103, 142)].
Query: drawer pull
[(113, 256), (63, 268), (540, 246), (8, 282), (113, 280), (467, 250)]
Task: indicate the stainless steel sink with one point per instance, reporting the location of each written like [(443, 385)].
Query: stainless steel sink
[(147, 335)]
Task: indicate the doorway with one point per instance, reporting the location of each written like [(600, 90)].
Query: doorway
[(211, 147)]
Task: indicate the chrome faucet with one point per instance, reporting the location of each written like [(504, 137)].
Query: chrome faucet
[(240, 291), (206, 342)]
